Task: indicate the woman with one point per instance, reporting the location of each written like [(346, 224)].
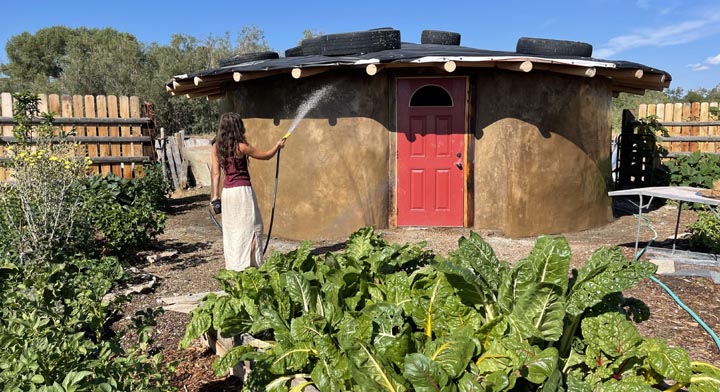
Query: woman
[(242, 223)]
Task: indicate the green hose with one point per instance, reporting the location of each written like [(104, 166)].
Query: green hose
[(675, 298)]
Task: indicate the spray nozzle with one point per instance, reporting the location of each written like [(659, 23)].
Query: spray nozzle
[(287, 135)]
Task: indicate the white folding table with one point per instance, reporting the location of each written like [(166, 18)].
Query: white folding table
[(682, 194)]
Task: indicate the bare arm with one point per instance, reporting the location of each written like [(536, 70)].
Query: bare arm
[(216, 186), (259, 154)]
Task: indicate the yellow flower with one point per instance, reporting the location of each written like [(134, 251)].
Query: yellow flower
[(53, 158)]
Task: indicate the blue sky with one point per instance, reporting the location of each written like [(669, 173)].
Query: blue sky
[(680, 37)]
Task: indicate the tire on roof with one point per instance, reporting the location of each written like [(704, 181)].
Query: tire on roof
[(310, 46), (359, 42), (248, 57), (438, 37), (294, 52), (552, 47)]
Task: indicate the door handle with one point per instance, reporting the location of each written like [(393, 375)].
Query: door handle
[(459, 165)]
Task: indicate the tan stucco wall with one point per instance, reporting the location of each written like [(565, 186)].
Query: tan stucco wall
[(334, 168), (542, 153)]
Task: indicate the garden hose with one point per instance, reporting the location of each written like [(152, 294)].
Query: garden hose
[(272, 212), (212, 217), (672, 295)]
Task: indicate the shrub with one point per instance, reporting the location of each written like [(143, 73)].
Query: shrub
[(705, 232), (126, 214), (54, 333), (696, 170)]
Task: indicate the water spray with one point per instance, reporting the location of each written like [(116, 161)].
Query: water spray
[(302, 111)]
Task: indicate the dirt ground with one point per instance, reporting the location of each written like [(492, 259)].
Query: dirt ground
[(198, 243)]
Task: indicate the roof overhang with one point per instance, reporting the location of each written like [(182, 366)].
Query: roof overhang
[(624, 76)]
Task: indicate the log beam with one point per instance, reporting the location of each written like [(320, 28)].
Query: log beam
[(525, 66), (298, 73)]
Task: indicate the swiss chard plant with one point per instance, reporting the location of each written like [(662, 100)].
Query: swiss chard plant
[(382, 317)]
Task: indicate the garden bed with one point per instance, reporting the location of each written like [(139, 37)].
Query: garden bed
[(199, 244)]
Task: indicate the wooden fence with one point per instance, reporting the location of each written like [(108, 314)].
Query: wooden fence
[(691, 126), (116, 131)]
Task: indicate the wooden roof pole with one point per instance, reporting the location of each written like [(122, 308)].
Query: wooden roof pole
[(588, 72), (298, 73), (372, 69), (525, 66), (450, 66)]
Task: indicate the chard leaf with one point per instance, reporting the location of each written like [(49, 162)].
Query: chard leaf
[(307, 328), (360, 245), (352, 331), (424, 374), (704, 367), (612, 333), (472, 288), (371, 373), (396, 346), (328, 377), (613, 385), (704, 383), (469, 383), (672, 363), (607, 271), (541, 366), (200, 323), (453, 355), (498, 381), (543, 309), (474, 253), (231, 358), (299, 290), (269, 319), (397, 288), (575, 383), (547, 264)]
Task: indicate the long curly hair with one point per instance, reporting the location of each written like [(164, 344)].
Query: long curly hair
[(231, 132)]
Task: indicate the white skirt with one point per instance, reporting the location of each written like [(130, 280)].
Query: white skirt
[(242, 228)]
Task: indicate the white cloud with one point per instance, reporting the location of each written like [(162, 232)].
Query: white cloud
[(676, 34), (698, 67), (713, 60)]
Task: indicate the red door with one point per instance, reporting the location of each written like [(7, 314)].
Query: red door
[(431, 147)]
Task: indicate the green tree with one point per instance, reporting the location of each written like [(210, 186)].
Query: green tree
[(102, 62), (35, 60)]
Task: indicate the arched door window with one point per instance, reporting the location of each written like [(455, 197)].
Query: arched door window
[(431, 95)]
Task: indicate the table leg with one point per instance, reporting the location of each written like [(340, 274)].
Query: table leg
[(637, 237), (677, 225)]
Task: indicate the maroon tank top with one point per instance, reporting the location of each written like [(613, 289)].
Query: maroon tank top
[(236, 173)]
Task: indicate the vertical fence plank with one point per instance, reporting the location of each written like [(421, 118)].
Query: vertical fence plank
[(66, 111), (125, 148), (103, 148), (112, 102), (660, 112), (651, 110), (671, 130), (703, 131), (136, 130), (642, 110), (5, 111), (54, 104), (43, 103), (91, 130), (694, 130), (714, 130), (677, 116), (77, 111), (686, 114)]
